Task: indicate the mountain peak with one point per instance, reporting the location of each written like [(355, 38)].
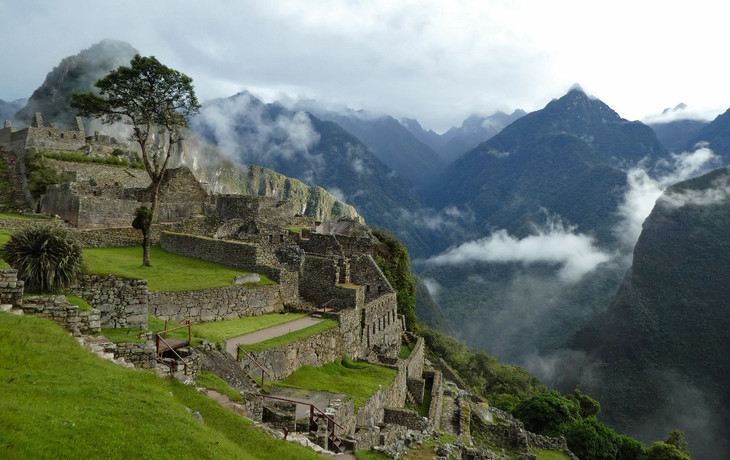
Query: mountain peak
[(75, 73)]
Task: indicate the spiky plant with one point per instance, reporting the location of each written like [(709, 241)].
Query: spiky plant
[(47, 258)]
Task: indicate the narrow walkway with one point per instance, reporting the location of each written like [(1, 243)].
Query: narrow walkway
[(270, 333)]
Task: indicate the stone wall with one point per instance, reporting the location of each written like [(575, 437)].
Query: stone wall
[(114, 236), (365, 272), (372, 411), (57, 309), (122, 302), (381, 328), (235, 254), (11, 290), (102, 211), (228, 302), (315, 350), (437, 398), (335, 244), (405, 417), (142, 355), (414, 362), (320, 276)]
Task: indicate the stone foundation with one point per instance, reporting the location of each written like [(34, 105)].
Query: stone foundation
[(122, 302), (57, 309), (11, 290), (229, 302)]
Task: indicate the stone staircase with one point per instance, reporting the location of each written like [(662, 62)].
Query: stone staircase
[(324, 435)]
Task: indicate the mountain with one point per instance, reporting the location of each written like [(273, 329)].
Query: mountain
[(8, 109), (658, 355), (209, 164), (549, 183), (392, 143), (678, 135), (538, 160), (472, 132), (317, 152), (458, 140), (717, 135), (430, 137), (74, 73)]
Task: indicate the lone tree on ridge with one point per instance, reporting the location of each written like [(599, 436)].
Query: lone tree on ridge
[(155, 101)]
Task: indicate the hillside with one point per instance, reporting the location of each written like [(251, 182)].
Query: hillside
[(74, 73), (317, 152), (61, 401), (660, 350), (392, 143), (555, 176), (717, 135)]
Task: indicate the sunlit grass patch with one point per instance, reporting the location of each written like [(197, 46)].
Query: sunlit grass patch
[(169, 272), (360, 382)]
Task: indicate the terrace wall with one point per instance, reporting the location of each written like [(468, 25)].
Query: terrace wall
[(228, 302), (244, 256), (122, 302), (60, 311)]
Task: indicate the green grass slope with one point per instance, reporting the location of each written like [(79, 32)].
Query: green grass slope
[(60, 401)]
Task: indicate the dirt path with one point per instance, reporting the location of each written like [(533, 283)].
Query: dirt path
[(270, 333)]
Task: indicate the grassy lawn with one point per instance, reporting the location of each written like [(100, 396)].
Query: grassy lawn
[(169, 272), (291, 337), (213, 332), (550, 455), (360, 380), (78, 301), (60, 401), (4, 237), (7, 215), (213, 382), (224, 330)]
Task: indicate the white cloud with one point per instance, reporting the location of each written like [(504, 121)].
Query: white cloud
[(556, 244), (433, 286), (436, 61), (644, 190)]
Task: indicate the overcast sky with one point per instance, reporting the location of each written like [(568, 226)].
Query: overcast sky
[(436, 61)]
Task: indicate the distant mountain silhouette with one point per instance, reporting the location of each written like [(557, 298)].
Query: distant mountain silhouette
[(392, 143), (538, 160), (75, 73), (678, 135), (717, 135), (317, 152), (660, 351)]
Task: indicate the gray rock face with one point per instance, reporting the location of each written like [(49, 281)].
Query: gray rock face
[(247, 278)]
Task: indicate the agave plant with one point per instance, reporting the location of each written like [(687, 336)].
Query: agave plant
[(47, 258)]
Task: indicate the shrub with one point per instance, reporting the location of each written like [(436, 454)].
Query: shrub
[(47, 259), (546, 413), (40, 175)]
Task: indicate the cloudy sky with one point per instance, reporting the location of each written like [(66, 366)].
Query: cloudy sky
[(437, 61)]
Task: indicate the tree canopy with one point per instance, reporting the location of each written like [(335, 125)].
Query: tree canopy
[(155, 101)]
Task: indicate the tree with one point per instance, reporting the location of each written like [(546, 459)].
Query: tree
[(663, 451), (393, 259), (142, 222), (547, 413), (676, 439), (155, 101), (588, 405), (47, 258)]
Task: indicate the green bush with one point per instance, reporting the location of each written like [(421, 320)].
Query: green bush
[(40, 174), (547, 413), (393, 259), (590, 439), (47, 258)]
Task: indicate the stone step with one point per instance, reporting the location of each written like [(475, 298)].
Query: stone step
[(6, 307)]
